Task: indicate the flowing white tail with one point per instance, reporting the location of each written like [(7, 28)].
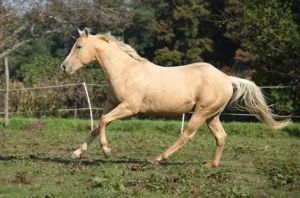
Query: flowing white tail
[(247, 96)]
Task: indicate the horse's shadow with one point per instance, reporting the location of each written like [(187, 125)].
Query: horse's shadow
[(86, 162)]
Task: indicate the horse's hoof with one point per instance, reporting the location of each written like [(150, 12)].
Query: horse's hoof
[(161, 158), (153, 161), (158, 158), (211, 165), (74, 156), (107, 153)]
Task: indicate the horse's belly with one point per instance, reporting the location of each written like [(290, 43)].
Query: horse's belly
[(167, 105)]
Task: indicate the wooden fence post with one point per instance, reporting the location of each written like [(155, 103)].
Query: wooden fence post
[(75, 112), (6, 95)]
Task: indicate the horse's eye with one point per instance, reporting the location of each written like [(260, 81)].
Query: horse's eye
[(79, 46)]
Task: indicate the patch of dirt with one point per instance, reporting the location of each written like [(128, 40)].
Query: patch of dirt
[(22, 178), (36, 127), (135, 167)]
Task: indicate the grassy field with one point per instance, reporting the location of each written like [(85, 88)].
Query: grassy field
[(257, 161)]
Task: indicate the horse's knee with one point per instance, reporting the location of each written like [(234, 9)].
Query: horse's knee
[(221, 138), (103, 142), (186, 137), (103, 121), (219, 132)]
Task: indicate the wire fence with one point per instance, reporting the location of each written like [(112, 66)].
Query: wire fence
[(84, 85), (90, 107)]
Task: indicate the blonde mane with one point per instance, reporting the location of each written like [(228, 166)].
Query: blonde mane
[(124, 47)]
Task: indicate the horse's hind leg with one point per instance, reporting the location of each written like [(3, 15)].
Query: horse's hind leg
[(191, 129), (76, 154), (216, 128)]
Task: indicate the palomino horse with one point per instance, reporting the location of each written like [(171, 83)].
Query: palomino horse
[(139, 86)]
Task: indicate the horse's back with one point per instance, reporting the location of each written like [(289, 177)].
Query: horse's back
[(194, 76), (198, 75)]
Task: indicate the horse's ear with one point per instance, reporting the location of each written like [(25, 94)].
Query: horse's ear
[(87, 32), (79, 32)]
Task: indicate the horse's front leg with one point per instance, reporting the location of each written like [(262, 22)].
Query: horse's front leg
[(76, 154), (121, 111)]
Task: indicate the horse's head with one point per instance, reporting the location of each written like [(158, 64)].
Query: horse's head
[(82, 53)]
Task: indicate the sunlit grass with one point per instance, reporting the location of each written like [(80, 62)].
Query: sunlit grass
[(257, 161)]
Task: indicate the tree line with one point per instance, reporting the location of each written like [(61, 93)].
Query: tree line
[(257, 40)]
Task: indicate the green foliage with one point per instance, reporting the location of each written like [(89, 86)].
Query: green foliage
[(234, 10), (271, 29), (181, 38), (141, 33), (168, 57), (282, 100), (45, 71), (43, 68), (284, 174), (97, 75), (273, 34)]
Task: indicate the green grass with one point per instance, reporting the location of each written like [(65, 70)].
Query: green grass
[(257, 161)]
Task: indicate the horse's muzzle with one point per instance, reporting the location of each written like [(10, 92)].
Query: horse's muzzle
[(64, 67)]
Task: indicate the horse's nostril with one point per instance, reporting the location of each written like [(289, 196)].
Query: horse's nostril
[(64, 67)]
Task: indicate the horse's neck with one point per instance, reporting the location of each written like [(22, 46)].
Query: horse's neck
[(114, 63)]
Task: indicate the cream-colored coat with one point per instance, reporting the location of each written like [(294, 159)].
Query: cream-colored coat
[(139, 86)]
